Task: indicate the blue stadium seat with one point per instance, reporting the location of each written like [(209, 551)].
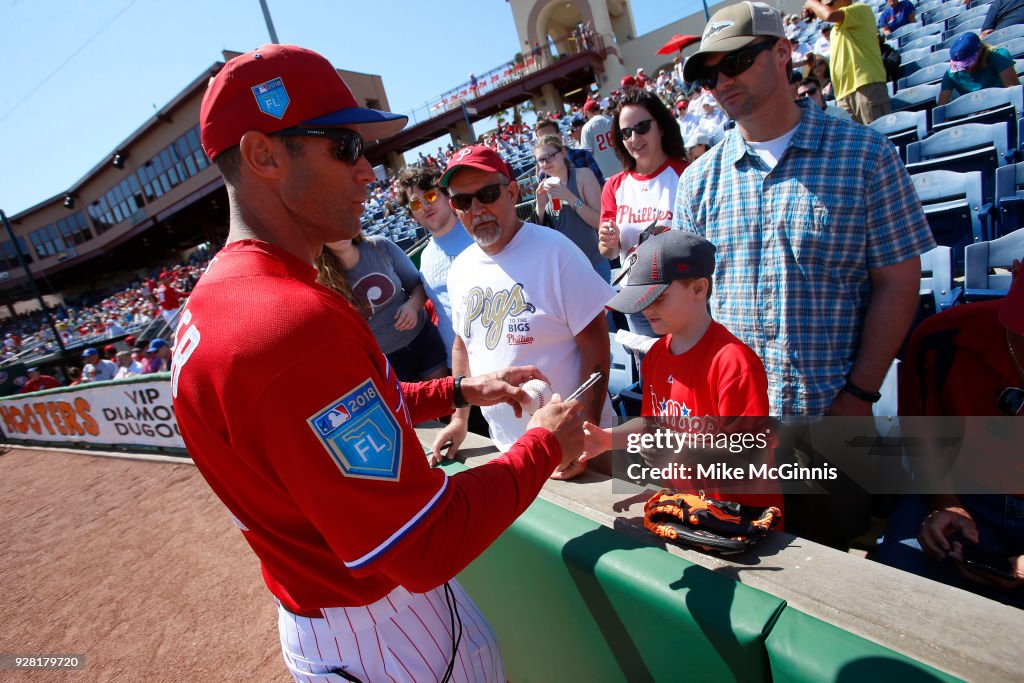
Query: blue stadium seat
[(975, 14), (923, 41), (937, 286), (922, 58), (920, 32), (920, 97), (966, 147), (1015, 46), (928, 6), (980, 282), (1005, 34), (911, 56), (1009, 199), (904, 30), (971, 24), (990, 105), (938, 16), (928, 74), (902, 128), (951, 202)]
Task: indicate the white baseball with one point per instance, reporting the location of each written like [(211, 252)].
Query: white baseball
[(540, 395)]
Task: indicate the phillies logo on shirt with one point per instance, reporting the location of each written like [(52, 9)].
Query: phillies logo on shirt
[(644, 214), (493, 309)]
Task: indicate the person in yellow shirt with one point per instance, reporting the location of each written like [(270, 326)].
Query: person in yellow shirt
[(858, 74)]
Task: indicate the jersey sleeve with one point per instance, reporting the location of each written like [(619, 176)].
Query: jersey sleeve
[(609, 205), (336, 431)]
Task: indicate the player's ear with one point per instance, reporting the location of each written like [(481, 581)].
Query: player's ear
[(261, 154)]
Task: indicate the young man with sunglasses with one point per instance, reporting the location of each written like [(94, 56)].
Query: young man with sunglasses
[(419, 193), (523, 294), (294, 417), (855, 58), (818, 268)]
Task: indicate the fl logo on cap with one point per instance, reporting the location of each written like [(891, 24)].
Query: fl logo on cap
[(271, 97)]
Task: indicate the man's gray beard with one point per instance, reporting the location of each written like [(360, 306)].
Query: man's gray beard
[(487, 236)]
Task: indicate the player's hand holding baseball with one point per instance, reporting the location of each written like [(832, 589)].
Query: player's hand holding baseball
[(564, 419), (502, 386)]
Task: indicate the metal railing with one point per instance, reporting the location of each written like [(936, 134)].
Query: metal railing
[(531, 62)]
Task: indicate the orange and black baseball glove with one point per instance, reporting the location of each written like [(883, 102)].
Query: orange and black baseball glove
[(701, 522)]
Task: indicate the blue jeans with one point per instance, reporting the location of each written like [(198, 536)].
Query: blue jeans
[(1000, 523)]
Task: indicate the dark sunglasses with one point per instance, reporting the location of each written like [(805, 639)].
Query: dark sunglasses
[(429, 197), (809, 92), (733, 64), (348, 144), (641, 128), (488, 194)]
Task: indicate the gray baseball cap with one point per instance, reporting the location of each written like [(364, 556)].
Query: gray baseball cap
[(731, 28)]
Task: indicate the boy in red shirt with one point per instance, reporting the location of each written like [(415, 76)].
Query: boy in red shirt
[(698, 378)]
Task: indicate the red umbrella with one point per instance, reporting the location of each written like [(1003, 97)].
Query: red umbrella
[(677, 43)]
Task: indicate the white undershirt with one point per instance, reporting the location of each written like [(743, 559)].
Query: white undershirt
[(771, 150)]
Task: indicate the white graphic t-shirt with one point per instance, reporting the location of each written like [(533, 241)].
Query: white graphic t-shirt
[(525, 306)]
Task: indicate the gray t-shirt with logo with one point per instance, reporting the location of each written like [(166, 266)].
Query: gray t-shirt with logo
[(381, 283)]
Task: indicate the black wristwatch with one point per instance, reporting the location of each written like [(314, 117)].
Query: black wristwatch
[(457, 397), (855, 391)]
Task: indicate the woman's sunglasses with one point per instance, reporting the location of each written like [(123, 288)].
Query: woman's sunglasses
[(348, 144), (733, 64), (488, 194), (429, 197), (641, 128)]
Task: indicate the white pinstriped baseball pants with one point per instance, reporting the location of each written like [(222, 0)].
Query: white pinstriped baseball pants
[(401, 637)]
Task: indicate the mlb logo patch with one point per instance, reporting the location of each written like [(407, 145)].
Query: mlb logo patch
[(271, 97), (361, 434)]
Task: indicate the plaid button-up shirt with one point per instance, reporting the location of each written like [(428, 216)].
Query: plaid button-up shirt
[(796, 244)]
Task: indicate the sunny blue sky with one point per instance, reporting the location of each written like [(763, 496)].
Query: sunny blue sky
[(79, 77)]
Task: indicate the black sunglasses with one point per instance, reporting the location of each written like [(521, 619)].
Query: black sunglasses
[(641, 128), (808, 92), (733, 64), (488, 194), (348, 144)]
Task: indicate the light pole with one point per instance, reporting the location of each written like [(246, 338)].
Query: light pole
[(273, 33)]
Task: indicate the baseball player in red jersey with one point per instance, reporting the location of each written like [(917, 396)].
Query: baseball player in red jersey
[(299, 425)]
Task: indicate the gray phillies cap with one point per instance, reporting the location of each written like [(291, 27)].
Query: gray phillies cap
[(731, 28), (659, 261)]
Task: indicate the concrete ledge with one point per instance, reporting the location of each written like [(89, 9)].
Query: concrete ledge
[(929, 622)]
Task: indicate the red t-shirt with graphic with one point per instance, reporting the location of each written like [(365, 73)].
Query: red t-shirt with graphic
[(298, 423), (705, 390)]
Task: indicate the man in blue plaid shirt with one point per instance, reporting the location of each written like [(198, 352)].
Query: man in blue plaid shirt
[(817, 225), (818, 230)]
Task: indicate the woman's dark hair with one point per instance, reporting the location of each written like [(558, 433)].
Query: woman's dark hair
[(671, 137)]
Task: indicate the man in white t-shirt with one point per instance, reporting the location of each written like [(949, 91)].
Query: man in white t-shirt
[(522, 295), (596, 137)]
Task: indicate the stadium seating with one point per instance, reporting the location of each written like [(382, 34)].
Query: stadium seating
[(967, 147), (1009, 198), (921, 32), (902, 128), (920, 97), (979, 281), (1015, 46), (957, 21), (951, 203), (904, 30), (938, 291), (924, 41), (938, 17), (1005, 34), (923, 58), (990, 105), (927, 74), (908, 57)]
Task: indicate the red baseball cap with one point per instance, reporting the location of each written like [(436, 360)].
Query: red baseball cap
[(590, 105), (1011, 311), (479, 157), (627, 80), (281, 86)]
